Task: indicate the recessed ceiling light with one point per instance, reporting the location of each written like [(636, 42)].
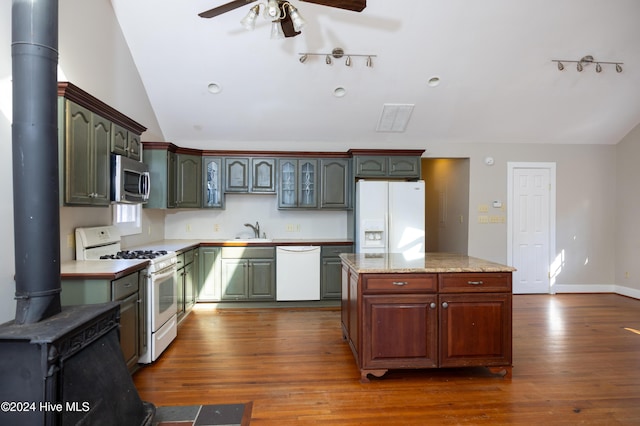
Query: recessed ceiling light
[(433, 81), (214, 88), (339, 92)]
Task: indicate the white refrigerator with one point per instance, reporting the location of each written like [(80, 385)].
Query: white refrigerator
[(390, 217)]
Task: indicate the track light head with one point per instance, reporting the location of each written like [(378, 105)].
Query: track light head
[(560, 66), (618, 68)]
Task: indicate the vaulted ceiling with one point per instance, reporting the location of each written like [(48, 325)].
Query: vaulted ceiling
[(493, 58)]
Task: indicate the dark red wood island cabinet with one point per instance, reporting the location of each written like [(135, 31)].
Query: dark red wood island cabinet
[(426, 313)]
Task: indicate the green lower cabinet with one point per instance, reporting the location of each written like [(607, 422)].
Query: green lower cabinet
[(331, 271), (248, 274), (124, 290), (209, 274), (248, 279), (187, 281)]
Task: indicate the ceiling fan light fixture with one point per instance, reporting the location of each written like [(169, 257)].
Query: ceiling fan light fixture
[(249, 21), (272, 11), (296, 18), (276, 30)]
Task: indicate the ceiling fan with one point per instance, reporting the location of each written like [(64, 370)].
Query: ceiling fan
[(285, 21)]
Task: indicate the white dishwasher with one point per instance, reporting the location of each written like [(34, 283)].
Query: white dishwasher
[(297, 273)]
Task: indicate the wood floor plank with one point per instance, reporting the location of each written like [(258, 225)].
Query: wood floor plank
[(575, 362)]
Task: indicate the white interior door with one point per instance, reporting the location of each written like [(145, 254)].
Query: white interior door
[(531, 219)]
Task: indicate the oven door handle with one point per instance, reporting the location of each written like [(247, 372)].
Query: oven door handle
[(162, 275)]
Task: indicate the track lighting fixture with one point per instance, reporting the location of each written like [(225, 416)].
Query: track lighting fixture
[(586, 61), (337, 53), (275, 11)]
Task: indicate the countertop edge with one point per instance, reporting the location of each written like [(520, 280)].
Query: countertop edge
[(432, 263)]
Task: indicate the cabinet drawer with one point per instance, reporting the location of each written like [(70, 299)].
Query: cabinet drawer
[(188, 257), (335, 251), (399, 283), (125, 286), (488, 282), (248, 252)]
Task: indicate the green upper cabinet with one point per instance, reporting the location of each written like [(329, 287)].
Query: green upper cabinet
[(87, 147), (88, 132), (176, 176), (404, 166), (382, 165), (161, 161), (371, 166), (336, 180), (236, 175), (125, 143), (310, 183), (298, 183), (263, 175), (188, 181), (212, 173), (245, 174)]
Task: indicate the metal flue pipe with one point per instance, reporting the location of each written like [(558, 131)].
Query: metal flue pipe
[(36, 214)]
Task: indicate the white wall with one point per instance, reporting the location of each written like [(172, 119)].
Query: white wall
[(248, 208), (586, 204), (627, 232), (7, 257)]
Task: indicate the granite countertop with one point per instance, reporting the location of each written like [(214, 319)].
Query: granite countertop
[(420, 263)]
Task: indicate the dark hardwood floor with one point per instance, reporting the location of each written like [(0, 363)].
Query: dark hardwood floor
[(576, 361)]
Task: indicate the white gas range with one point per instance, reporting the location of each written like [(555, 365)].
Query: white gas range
[(161, 280)]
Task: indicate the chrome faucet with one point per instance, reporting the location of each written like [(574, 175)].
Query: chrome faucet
[(256, 229)]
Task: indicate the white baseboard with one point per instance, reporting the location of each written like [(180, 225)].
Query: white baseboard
[(597, 288)]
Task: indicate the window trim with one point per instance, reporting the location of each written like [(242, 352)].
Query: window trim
[(129, 227)]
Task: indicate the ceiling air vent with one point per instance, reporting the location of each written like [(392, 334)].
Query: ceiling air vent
[(394, 117)]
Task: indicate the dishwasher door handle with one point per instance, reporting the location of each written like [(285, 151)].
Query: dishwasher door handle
[(297, 249)]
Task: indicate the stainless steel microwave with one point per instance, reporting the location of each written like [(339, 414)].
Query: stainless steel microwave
[(130, 180)]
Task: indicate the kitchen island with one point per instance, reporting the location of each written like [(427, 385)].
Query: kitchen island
[(431, 310)]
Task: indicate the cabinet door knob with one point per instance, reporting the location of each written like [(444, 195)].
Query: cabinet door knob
[(432, 305), (445, 305)]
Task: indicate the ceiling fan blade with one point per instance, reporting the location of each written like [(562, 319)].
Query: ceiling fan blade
[(355, 5), (224, 8), (287, 27)]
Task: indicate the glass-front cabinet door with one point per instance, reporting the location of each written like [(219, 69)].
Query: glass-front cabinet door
[(212, 172), (288, 195), (298, 183), (308, 183)]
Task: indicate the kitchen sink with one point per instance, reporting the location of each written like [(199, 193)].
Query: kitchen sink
[(251, 240)]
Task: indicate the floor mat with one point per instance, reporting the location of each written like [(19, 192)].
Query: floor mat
[(203, 415)]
